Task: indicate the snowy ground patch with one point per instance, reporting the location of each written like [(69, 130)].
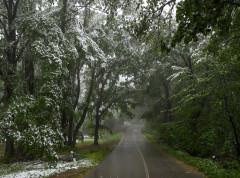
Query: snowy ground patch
[(88, 138), (39, 169)]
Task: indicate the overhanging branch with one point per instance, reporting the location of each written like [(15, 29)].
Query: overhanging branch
[(4, 28), (22, 50), (233, 3), (226, 43)]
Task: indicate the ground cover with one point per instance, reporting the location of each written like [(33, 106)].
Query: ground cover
[(88, 156)]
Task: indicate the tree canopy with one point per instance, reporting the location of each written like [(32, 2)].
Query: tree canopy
[(65, 61)]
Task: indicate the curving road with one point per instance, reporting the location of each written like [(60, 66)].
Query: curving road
[(135, 157)]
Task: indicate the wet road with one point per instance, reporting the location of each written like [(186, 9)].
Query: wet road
[(135, 157)]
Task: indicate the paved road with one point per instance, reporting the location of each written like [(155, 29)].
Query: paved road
[(135, 157)]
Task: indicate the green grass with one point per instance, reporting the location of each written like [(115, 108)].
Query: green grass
[(113, 138), (106, 146), (99, 154), (86, 150), (207, 166), (80, 147)]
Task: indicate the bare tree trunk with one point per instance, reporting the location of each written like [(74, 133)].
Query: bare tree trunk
[(64, 125), (71, 141), (85, 110), (28, 88), (168, 106), (96, 131), (11, 38), (72, 133), (64, 120), (9, 150), (29, 76), (231, 119), (70, 129), (63, 16), (237, 144)]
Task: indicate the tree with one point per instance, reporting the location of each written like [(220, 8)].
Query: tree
[(218, 19), (33, 66), (12, 31)]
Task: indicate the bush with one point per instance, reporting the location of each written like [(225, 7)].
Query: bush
[(208, 143), (205, 142)]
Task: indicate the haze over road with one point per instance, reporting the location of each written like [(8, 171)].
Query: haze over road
[(135, 157)]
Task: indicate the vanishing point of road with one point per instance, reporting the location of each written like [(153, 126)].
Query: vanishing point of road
[(136, 157)]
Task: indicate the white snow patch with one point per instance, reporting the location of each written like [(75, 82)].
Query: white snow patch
[(41, 171)]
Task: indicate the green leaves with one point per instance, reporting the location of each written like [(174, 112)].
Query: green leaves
[(32, 122), (202, 17)]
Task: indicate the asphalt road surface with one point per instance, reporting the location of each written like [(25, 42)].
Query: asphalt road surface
[(136, 157)]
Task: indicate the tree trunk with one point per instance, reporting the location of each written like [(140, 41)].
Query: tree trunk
[(237, 144), (64, 126), (63, 17), (64, 123), (20, 151), (12, 59), (85, 110), (9, 150), (96, 131), (72, 134), (231, 119), (168, 106), (165, 115), (70, 130), (28, 88), (71, 141), (29, 76)]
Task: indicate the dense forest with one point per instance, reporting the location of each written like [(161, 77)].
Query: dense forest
[(65, 61)]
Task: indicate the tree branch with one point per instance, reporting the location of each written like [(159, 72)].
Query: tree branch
[(22, 50), (4, 28), (7, 7), (3, 15), (232, 2), (15, 8), (226, 43), (19, 37), (1, 73), (164, 5), (108, 106)]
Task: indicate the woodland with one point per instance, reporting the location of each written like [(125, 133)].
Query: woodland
[(63, 62)]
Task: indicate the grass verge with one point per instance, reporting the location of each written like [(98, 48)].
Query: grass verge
[(87, 150), (211, 169), (88, 157)]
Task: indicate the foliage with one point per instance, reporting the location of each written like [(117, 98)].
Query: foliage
[(196, 17), (99, 155), (23, 123), (53, 58), (62, 62), (192, 89), (104, 131)]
